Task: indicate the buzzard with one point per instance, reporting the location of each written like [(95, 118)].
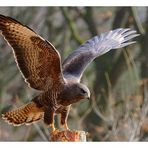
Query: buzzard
[(59, 83)]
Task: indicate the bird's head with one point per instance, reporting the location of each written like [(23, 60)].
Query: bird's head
[(74, 93), (82, 91)]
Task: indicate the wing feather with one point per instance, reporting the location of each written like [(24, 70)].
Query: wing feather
[(37, 59), (75, 64)]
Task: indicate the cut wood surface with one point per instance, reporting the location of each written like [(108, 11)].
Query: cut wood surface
[(68, 136)]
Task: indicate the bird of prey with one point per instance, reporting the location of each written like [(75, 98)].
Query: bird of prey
[(40, 65)]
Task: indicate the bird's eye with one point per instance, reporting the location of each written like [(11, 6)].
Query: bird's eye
[(83, 91)]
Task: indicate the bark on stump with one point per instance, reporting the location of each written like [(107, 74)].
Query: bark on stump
[(68, 136)]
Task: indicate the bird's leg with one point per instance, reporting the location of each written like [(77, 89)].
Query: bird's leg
[(49, 119), (64, 121), (64, 116), (66, 126)]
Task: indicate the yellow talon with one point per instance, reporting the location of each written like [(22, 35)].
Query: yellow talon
[(66, 126), (52, 127)]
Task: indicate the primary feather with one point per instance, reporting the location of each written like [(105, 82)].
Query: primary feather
[(26, 114), (75, 64), (37, 59)]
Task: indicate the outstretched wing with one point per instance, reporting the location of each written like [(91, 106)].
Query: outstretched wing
[(75, 64), (37, 59)]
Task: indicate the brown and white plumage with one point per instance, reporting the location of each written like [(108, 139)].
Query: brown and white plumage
[(37, 59), (26, 114), (40, 64)]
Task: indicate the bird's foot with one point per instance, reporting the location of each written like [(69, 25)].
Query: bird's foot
[(66, 127), (53, 129)]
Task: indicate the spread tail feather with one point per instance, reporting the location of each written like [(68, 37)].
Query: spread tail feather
[(26, 114)]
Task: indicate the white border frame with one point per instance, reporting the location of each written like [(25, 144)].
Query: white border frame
[(73, 2)]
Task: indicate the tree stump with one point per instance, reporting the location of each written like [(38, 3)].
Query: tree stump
[(68, 136)]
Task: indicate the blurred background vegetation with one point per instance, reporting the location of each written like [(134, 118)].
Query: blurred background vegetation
[(118, 80)]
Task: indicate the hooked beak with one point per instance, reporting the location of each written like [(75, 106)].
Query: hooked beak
[(88, 98)]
